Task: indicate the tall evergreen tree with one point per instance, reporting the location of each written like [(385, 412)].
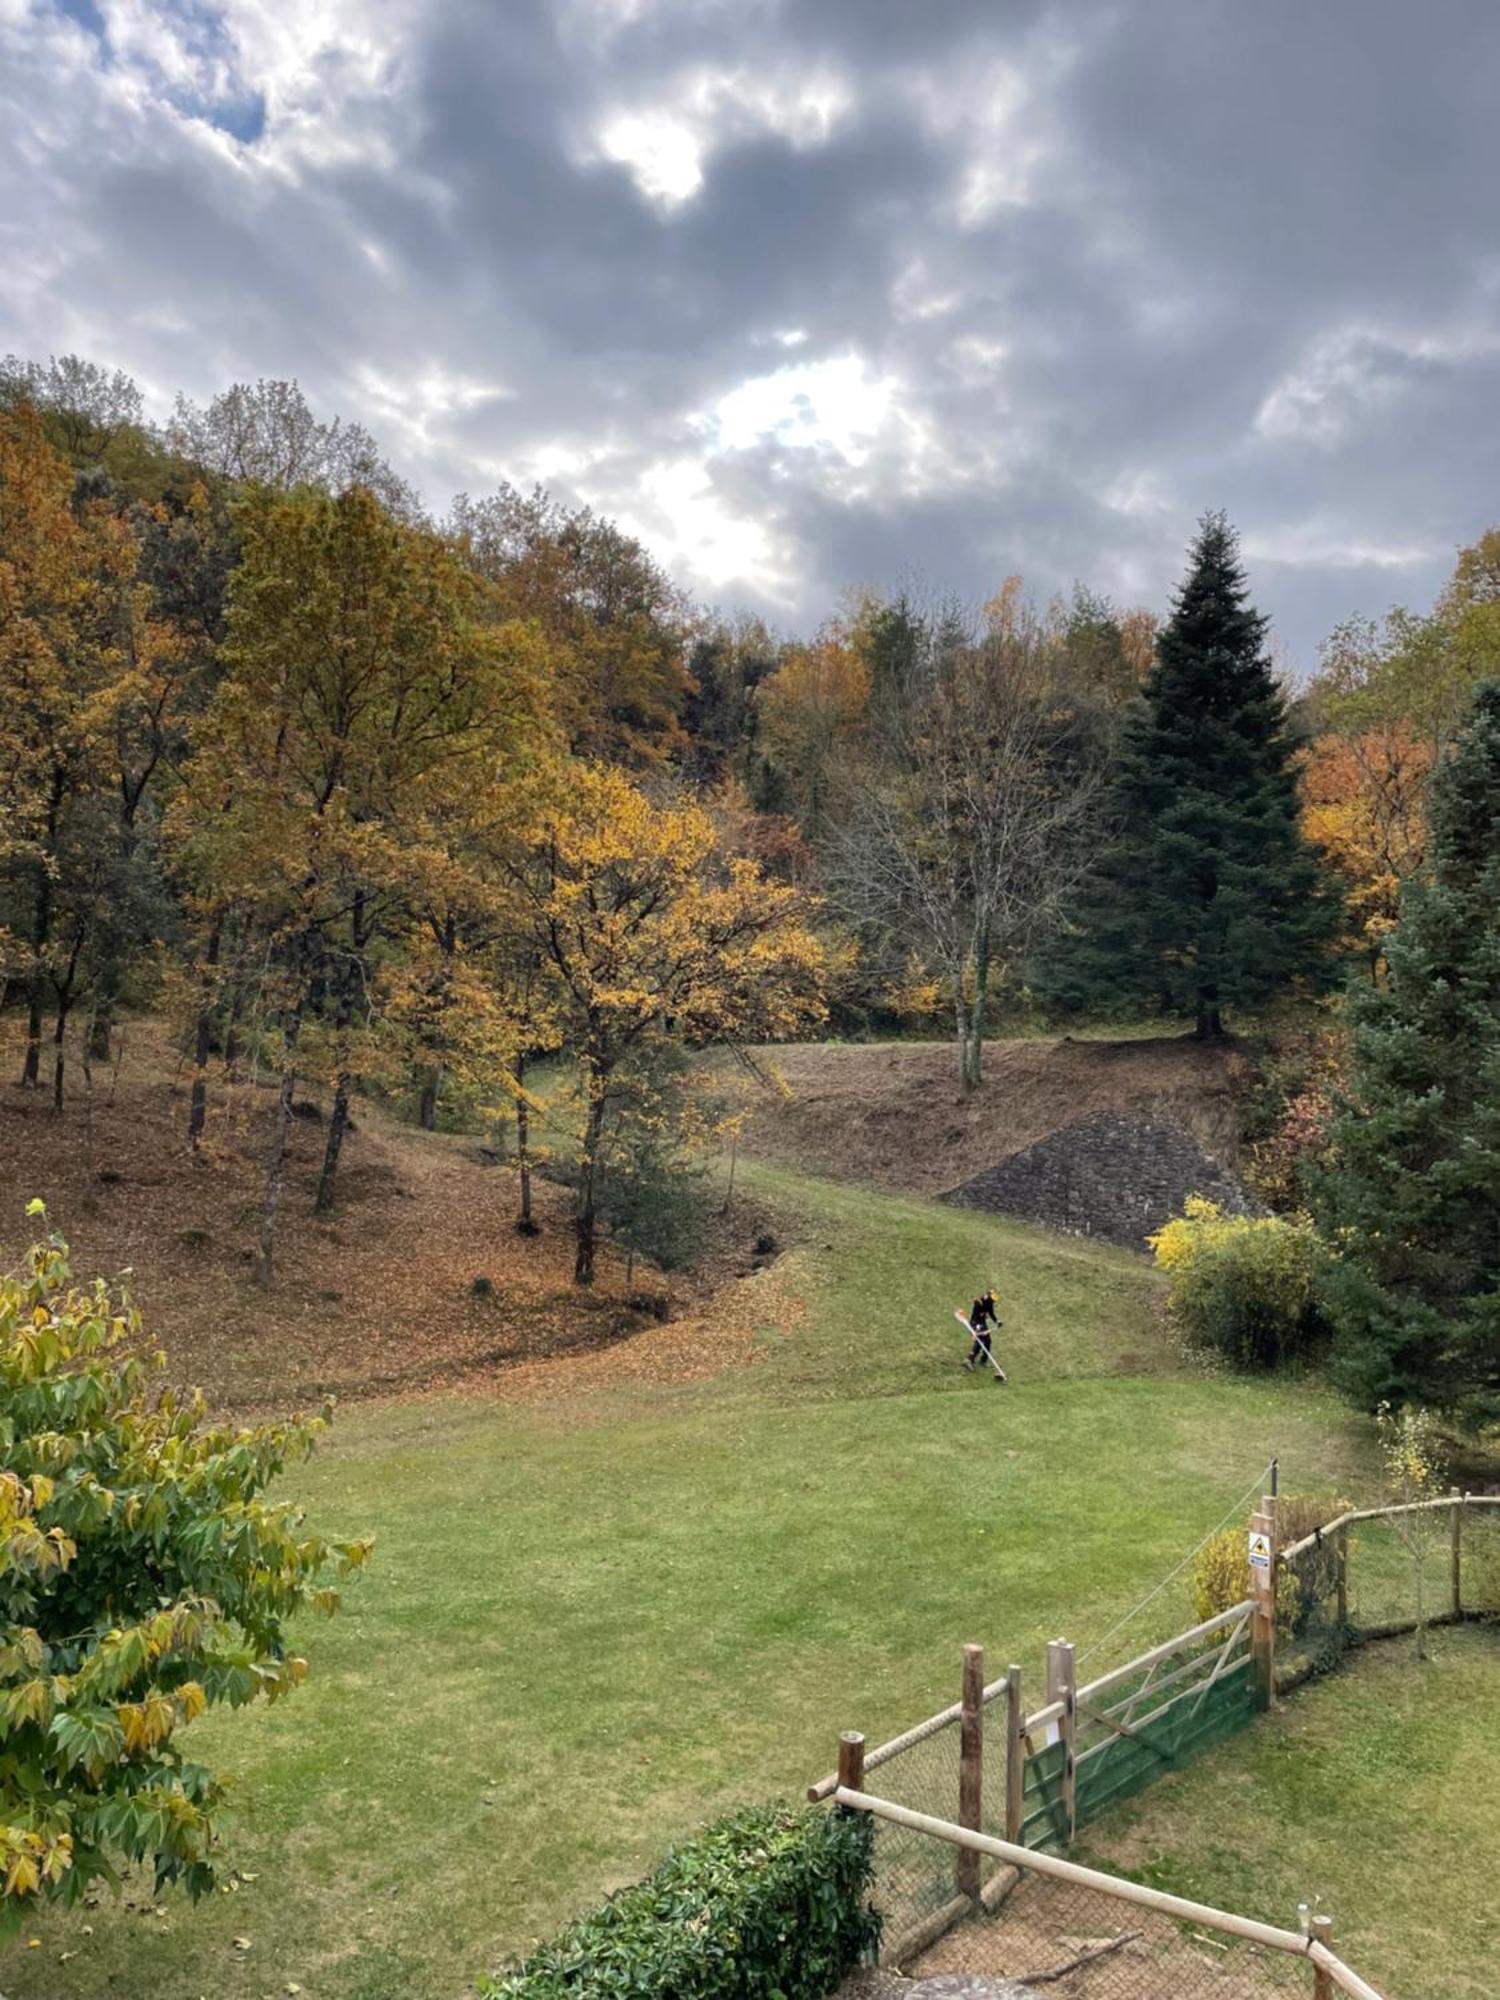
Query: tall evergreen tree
[(1412, 1199), (1209, 897)]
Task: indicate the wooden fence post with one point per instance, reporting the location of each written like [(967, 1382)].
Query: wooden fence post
[(851, 1761), (971, 1765), (1015, 1756), (1455, 1558), (1263, 1600), (1322, 1929), (1061, 1686)]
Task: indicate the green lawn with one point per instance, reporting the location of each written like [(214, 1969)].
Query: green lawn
[(589, 1625), (1372, 1793)]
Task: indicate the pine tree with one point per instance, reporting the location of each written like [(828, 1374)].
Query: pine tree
[(1210, 897), (1412, 1200)]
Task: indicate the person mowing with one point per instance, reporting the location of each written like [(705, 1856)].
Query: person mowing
[(984, 1318)]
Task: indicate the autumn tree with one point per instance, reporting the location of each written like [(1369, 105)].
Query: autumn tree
[(967, 828), (147, 1580), (1210, 896), (1365, 805), (1411, 1197), (650, 939), (79, 653), (811, 712), (365, 688), (616, 625)]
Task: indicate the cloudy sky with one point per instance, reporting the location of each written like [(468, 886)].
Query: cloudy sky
[(814, 292)]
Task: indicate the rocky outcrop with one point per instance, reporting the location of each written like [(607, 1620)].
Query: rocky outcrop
[(1108, 1176)]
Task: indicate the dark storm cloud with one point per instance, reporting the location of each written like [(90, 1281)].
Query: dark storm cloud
[(1016, 287)]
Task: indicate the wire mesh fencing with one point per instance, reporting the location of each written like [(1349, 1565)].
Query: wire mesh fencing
[(1080, 1944), (1375, 1573)]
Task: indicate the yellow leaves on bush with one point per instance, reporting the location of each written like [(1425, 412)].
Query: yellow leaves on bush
[(1221, 1579)]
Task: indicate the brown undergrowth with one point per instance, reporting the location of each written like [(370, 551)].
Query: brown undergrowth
[(377, 1298)]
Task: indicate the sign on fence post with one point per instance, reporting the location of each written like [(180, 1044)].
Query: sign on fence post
[(1263, 1600), (971, 1765)]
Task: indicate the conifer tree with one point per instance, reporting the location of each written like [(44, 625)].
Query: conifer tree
[(1210, 897), (1412, 1199)]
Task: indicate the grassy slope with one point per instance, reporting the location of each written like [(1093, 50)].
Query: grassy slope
[(1372, 1792), (591, 1623)]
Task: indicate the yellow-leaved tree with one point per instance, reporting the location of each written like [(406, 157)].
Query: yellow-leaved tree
[(651, 939)]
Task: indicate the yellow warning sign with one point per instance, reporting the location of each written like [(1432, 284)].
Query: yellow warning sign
[(1260, 1550)]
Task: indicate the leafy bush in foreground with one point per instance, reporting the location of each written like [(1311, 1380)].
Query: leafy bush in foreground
[(142, 1580), (768, 1904)]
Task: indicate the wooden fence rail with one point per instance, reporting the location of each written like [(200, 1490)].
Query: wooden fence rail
[(1308, 1945)]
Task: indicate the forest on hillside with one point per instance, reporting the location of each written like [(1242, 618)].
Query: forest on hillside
[(392, 803)]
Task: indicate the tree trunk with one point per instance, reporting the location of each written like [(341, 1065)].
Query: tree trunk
[(31, 1068), (59, 1054), (1210, 1023), (961, 1031), (203, 1039), (41, 934), (343, 1079), (337, 1125), (276, 1164), (588, 1173), (524, 1222), (427, 1109), (973, 1055)]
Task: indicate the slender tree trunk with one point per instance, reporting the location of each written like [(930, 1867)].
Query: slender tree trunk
[(276, 1163), (973, 1061), (41, 933), (427, 1108), (588, 1176), (59, 1054), (338, 1123), (31, 1068), (203, 1039), (524, 1223), (961, 1031)]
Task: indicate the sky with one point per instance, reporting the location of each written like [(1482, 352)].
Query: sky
[(814, 294)]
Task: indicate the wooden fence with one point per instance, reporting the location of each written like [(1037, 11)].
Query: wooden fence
[(1329, 1972), (1030, 1778)]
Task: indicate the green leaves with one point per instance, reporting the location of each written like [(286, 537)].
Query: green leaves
[(768, 1904), (143, 1578)]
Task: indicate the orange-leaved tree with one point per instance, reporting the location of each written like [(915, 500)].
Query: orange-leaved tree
[(1364, 802), (650, 939)]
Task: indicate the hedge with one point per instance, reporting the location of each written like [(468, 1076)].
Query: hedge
[(770, 1903)]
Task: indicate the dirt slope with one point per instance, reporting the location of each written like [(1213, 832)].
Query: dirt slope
[(892, 1113), (376, 1298)]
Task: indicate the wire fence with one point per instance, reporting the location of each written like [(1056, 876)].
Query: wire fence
[(1377, 1573), (1058, 1928), (1030, 1775), (1058, 1938)]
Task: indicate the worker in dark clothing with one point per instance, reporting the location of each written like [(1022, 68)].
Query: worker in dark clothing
[(983, 1317)]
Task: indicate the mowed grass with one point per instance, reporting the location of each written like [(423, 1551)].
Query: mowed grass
[(590, 1624), (1371, 1794)]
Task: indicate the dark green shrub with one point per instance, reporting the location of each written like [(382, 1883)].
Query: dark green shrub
[(770, 1903)]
